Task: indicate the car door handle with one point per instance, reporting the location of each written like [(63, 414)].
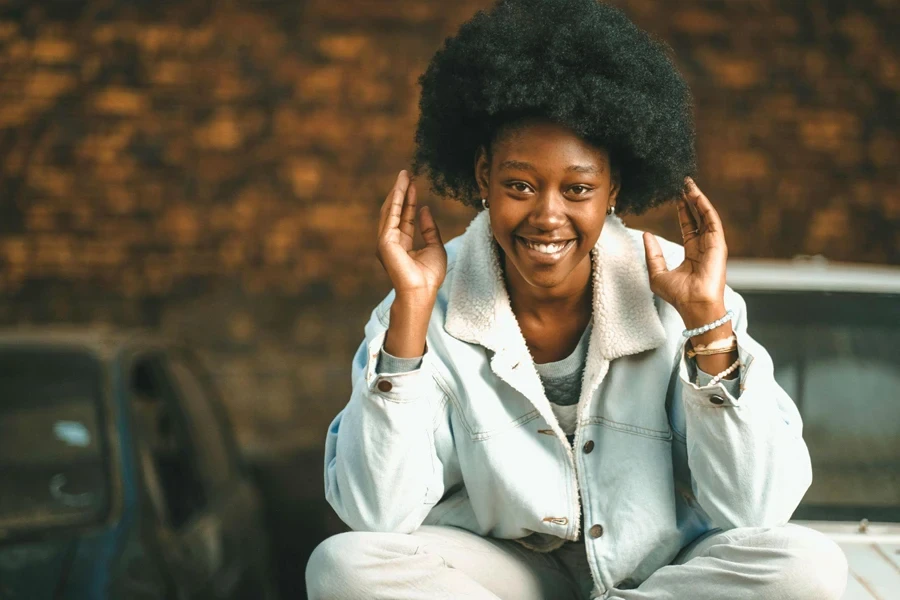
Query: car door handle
[(82, 500)]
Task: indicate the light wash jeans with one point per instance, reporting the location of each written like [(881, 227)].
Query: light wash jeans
[(782, 563)]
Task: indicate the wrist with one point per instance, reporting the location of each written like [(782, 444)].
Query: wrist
[(413, 303), (407, 329), (697, 315)]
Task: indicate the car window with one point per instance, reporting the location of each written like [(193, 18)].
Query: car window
[(206, 426), (53, 448), (836, 356), (164, 433)]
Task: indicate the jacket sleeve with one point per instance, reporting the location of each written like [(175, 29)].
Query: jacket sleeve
[(749, 464), (382, 472)]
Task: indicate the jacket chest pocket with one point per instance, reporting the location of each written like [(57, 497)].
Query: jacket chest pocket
[(638, 408), (489, 410), (660, 431)]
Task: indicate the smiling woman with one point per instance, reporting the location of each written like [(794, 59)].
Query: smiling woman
[(552, 405)]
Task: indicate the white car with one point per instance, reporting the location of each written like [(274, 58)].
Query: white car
[(833, 330)]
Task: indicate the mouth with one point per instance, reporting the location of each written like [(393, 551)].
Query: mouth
[(545, 253)]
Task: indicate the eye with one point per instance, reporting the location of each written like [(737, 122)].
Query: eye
[(580, 190), (520, 186)]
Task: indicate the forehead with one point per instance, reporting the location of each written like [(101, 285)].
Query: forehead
[(548, 145)]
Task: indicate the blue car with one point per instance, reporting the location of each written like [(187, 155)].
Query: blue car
[(119, 477)]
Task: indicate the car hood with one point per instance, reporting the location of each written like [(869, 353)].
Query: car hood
[(873, 555)]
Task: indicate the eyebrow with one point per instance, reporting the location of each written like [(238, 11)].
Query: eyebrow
[(526, 166)]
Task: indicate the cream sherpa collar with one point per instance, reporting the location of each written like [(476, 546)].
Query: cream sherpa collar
[(625, 319)]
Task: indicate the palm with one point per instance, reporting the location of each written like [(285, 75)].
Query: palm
[(412, 270), (413, 273), (700, 278)]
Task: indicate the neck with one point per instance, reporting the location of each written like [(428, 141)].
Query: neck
[(572, 296)]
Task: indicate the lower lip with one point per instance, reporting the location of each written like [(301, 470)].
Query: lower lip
[(546, 259)]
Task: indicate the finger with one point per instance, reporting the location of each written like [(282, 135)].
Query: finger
[(430, 232), (387, 202), (394, 197), (397, 199), (656, 263), (687, 221), (709, 217), (408, 214), (384, 205)]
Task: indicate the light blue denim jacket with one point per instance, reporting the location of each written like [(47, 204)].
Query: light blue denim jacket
[(469, 438)]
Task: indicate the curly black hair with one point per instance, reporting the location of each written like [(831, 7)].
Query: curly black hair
[(580, 63)]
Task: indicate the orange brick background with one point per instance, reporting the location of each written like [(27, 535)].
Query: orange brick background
[(214, 169)]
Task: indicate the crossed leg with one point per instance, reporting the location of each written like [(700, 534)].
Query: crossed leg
[(781, 563)]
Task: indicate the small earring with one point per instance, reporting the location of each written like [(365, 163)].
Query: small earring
[(610, 209), (484, 203)]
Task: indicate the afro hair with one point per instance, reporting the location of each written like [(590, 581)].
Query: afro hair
[(579, 63)]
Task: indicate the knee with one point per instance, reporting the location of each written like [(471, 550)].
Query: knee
[(815, 569), (333, 572)]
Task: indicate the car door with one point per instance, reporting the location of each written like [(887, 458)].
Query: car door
[(234, 508), (182, 494)]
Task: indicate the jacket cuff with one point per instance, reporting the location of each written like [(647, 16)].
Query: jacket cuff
[(388, 364), (732, 386), (725, 393), (405, 386)]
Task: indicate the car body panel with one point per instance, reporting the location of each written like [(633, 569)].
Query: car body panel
[(812, 274), (872, 549), (873, 555), (226, 542)]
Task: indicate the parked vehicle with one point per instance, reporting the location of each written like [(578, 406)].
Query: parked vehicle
[(833, 331), (120, 477)]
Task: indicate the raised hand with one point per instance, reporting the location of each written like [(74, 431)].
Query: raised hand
[(696, 287), (415, 274)]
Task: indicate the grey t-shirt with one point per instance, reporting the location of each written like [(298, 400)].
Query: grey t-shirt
[(562, 383)]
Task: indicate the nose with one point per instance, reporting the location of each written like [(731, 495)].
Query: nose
[(548, 212)]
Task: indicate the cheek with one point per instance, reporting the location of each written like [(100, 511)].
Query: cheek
[(593, 235), (588, 235), (589, 222), (505, 221)]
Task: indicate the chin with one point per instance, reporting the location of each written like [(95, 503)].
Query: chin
[(548, 279)]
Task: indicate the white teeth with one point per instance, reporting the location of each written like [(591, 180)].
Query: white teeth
[(546, 248)]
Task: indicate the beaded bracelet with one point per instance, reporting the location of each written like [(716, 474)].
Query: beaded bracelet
[(718, 323), (726, 372)]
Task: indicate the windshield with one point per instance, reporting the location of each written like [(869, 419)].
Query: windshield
[(52, 456), (838, 356)]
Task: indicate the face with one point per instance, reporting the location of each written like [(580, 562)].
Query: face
[(548, 191)]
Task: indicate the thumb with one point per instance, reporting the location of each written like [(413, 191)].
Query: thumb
[(656, 263), (430, 232)]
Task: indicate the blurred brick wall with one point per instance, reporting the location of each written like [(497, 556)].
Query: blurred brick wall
[(214, 169)]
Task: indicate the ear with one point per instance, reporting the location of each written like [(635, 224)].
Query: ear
[(482, 171), (615, 184)]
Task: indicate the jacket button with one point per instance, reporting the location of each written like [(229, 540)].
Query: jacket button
[(588, 446), (717, 399), (385, 386), (596, 531)]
